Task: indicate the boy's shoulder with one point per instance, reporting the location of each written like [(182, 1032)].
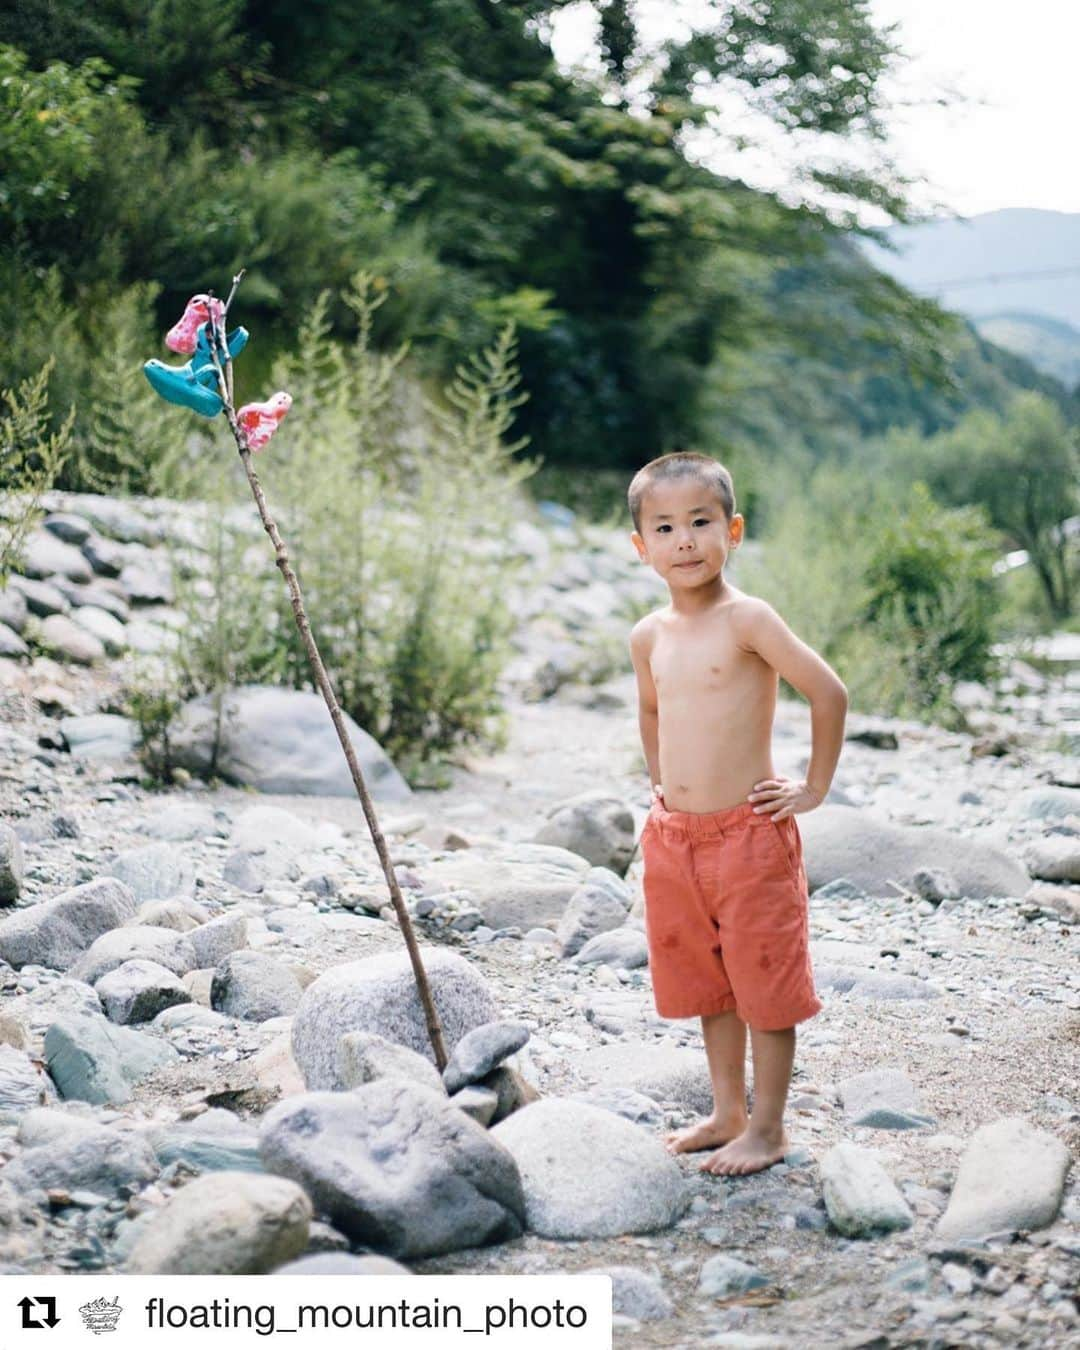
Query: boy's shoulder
[(644, 631)]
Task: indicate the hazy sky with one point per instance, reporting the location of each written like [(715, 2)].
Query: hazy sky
[(1011, 143)]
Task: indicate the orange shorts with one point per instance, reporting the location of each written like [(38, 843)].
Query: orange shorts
[(726, 916)]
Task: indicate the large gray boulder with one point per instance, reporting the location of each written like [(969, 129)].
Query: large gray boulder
[(213, 941), (11, 865), (397, 1168), (664, 1073), (56, 932), (843, 841), (596, 825), (166, 946), (100, 736), (230, 1223), (91, 1060), (281, 740), (84, 1155), (69, 641), (590, 911), (155, 871), (589, 1173), (138, 990), (254, 987), (514, 885), (1011, 1177), (44, 555), (379, 994)]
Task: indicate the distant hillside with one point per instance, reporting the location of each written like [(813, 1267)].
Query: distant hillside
[(1051, 346), (972, 265)]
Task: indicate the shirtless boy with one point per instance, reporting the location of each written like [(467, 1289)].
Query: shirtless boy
[(725, 887)]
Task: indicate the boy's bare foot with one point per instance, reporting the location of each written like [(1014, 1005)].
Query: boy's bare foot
[(707, 1133), (747, 1153)]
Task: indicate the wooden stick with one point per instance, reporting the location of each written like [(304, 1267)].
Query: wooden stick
[(223, 366)]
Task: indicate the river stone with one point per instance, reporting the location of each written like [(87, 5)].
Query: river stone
[(379, 994), (625, 948), (231, 1223), (44, 555), (59, 998), (11, 644), (1059, 902), (12, 865), (281, 740), (596, 825), (106, 557), (632, 1106), (478, 1102), (14, 610), (101, 597), (42, 598), (94, 1158), (343, 1263), (166, 946), (396, 1168), (155, 871), (92, 1060), (254, 987), (119, 519), (513, 886), (147, 580), (843, 841), (215, 940), (22, 1084), (70, 642), (106, 627), (364, 1057), (860, 1197), (1054, 858), (721, 1276), (1049, 803), (588, 1173), (1011, 1177), (664, 1073), (481, 1050), (590, 911), (72, 529), (100, 736), (872, 984), (635, 1293), (182, 916), (216, 1141), (180, 821), (883, 1099), (138, 990), (56, 932)]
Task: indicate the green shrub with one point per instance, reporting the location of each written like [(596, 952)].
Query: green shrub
[(397, 513), (896, 591), (31, 458)]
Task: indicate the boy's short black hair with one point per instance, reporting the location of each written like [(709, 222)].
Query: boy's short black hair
[(682, 464)]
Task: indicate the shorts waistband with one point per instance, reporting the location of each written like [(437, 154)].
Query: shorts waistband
[(706, 824)]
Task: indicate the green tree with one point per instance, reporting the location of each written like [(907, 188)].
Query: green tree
[(1024, 469)]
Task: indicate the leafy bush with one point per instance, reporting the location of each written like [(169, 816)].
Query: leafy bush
[(397, 513), (31, 457), (897, 593)]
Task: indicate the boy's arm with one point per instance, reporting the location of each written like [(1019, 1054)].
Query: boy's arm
[(648, 711), (762, 630)]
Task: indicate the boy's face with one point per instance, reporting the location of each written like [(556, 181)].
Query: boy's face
[(685, 536)]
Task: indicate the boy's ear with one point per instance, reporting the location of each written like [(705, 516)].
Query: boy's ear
[(736, 529), (639, 544)]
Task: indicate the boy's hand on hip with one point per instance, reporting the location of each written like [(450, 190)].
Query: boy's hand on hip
[(780, 797)]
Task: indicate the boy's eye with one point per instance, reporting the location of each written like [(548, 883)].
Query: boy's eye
[(703, 520), (661, 529)]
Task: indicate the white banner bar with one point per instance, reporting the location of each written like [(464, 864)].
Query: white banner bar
[(222, 1312)]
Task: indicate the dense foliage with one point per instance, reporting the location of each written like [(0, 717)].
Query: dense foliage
[(658, 303)]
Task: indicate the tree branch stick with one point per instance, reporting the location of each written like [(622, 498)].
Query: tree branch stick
[(322, 679)]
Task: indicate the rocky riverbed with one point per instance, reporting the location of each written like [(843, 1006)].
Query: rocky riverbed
[(184, 974)]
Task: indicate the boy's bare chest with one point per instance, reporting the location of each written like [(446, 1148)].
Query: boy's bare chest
[(688, 666)]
